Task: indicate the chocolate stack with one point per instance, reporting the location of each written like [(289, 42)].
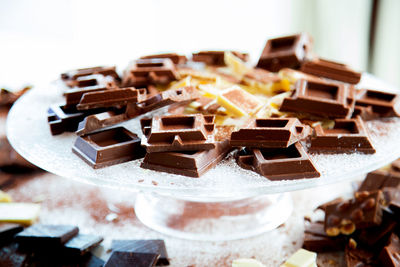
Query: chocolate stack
[(182, 144), (366, 226), (272, 149)]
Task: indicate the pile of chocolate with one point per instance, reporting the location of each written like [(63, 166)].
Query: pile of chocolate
[(63, 245), (366, 226), (217, 101)]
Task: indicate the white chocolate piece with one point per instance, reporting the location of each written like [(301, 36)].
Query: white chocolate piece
[(23, 213), (302, 258), (247, 263), (4, 197)]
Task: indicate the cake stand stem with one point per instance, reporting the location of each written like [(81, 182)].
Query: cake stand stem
[(213, 221)]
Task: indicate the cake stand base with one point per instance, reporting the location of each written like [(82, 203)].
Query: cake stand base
[(213, 221)]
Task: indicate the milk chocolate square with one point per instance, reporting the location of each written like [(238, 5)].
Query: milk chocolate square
[(322, 99), (285, 52), (347, 136), (108, 147)]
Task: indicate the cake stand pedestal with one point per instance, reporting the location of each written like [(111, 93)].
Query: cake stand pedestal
[(226, 203)]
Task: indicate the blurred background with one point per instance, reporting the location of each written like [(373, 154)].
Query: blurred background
[(40, 39)]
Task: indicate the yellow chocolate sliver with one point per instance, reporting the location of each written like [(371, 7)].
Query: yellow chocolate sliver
[(4, 197), (235, 64), (23, 213), (302, 258), (247, 263), (238, 102)]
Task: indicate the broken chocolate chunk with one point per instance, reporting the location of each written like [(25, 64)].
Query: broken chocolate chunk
[(155, 246), (82, 244), (44, 235), (129, 259)]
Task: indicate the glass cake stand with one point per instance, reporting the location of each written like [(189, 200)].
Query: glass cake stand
[(227, 202)]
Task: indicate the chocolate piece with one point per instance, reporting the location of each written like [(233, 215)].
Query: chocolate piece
[(382, 103), (43, 235), (380, 179), (333, 201), (10, 256), (278, 163), (274, 132), (366, 113), (179, 133), (144, 72), (19, 212), (216, 58), (188, 163), (143, 246), (65, 119), (74, 95), (320, 98), (98, 121), (129, 259), (390, 254), (390, 194), (92, 80), (347, 136), (105, 71), (377, 235), (317, 240), (359, 257), (8, 231), (53, 258), (82, 244), (182, 95), (285, 52), (111, 98), (363, 211), (175, 58), (108, 147), (331, 70), (8, 98)]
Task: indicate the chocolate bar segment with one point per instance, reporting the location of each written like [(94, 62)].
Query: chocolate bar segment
[(360, 256), (278, 163), (44, 235), (111, 98), (8, 231), (390, 255), (108, 147), (92, 80), (170, 97), (361, 212), (317, 240), (323, 99), (285, 52), (383, 104), (187, 163), (175, 58), (331, 70), (347, 136), (81, 244), (65, 119), (103, 70), (380, 179), (180, 133), (145, 72), (216, 58), (129, 259), (274, 132), (74, 95), (155, 246)]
